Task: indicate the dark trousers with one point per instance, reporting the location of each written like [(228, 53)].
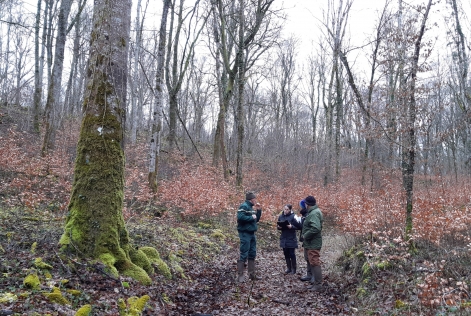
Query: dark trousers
[(248, 245), (289, 252)]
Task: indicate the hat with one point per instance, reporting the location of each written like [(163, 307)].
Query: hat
[(302, 204), (310, 200), (250, 196)]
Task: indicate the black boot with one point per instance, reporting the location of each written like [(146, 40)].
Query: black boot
[(240, 271), (251, 268), (288, 265), (293, 265)]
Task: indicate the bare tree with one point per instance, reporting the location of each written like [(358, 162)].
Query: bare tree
[(37, 74), (409, 145), (135, 88), (157, 114), (54, 89), (230, 50), (196, 19)]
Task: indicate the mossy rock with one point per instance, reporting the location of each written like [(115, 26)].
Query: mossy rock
[(137, 273), (151, 253), (32, 281), (109, 261), (154, 257), (399, 304), (204, 225), (7, 298), (85, 310), (134, 307), (217, 233), (361, 292), (33, 247), (174, 262), (139, 258), (56, 297), (163, 268), (366, 270), (383, 265), (40, 264), (74, 292)]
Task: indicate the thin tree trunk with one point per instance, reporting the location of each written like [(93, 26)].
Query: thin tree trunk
[(408, 162), (37, 87), (52, 114), (155, 141), (135, 87), (240, 104)]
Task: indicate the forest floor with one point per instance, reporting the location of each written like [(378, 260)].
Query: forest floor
[(202, 258), (205, 285)]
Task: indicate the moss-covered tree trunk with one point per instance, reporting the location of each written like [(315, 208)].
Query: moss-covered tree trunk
[(95, 225)]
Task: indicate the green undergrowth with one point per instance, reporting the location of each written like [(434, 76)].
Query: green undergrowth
[(381, 276), (36, 276)]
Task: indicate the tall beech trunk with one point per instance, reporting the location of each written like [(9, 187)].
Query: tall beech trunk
[(95, 226)]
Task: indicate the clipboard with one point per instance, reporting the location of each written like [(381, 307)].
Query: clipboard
[(283, 224)]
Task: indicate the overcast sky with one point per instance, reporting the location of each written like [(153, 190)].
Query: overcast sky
[(303, 21)]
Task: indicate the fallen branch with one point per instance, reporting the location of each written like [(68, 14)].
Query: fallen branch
[(281, 302)]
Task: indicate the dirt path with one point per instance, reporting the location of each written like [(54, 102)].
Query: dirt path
[(214, 291)]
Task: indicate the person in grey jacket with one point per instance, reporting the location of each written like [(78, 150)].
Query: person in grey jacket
[(312, 234), (288, 239)]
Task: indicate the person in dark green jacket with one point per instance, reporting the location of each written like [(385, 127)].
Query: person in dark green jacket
[(312, 235), (247, 219)]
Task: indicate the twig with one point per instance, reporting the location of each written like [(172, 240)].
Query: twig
[(250, 292), (62, 263), (281, 302)]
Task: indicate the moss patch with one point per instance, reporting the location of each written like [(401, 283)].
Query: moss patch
[(56, 297), (32, 281), (85, 310), (139, 258), (137, 273), (40, 264), (134, 307)]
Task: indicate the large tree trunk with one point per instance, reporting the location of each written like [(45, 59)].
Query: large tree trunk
[(95, 225)]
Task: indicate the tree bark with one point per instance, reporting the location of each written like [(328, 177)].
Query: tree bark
[(95, 226), (37, 74), (54, 90), (135, 104), (240, 101), (408, 151), (155, 141)]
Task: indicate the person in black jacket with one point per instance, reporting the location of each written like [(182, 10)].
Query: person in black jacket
[(288, 240)]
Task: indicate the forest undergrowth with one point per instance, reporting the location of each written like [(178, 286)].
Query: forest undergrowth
[(368, 268)]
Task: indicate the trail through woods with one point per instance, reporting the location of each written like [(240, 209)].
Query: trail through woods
[(215, 292), (205, 286)]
